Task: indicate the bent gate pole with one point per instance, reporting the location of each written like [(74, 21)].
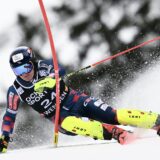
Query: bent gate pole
[(56, 69)]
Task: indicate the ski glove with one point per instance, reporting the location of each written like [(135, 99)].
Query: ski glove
[(4, 140), (44, 83)]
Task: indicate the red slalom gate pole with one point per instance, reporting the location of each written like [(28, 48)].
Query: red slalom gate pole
[(55, 62), (114, 56)]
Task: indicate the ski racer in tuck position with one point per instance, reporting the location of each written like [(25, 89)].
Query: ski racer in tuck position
[(35, 85)]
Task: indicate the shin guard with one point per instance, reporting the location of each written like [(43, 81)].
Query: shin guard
[(136, 118), (78, 126)]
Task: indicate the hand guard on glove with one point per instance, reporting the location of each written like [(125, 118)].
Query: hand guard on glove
[(44, 83), (4, 140)]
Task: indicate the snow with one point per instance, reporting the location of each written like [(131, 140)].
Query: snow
[(10, 12), (111, 16), (143, 93), (127, 34), (101, 51), (141, 149), (145, 147), (11, 8)]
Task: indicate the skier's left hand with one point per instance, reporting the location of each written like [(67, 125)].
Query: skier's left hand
[(44, 83), (4, 140)]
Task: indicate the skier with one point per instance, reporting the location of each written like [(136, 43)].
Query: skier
[(35, 85)]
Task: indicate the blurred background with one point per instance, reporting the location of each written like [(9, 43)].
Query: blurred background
[(84, 32)]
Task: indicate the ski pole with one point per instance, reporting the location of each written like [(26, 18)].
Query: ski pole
[(114, 56), (56, 71)]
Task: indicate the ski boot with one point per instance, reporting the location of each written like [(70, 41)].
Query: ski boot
[(117, 133), (157, 125)]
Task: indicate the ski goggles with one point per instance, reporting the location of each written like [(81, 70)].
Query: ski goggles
[(23, 69)]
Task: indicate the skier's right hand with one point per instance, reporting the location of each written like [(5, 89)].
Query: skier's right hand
[(4, 140), (44, 83)]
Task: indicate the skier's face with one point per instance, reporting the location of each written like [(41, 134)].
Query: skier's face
[(28, 76)]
